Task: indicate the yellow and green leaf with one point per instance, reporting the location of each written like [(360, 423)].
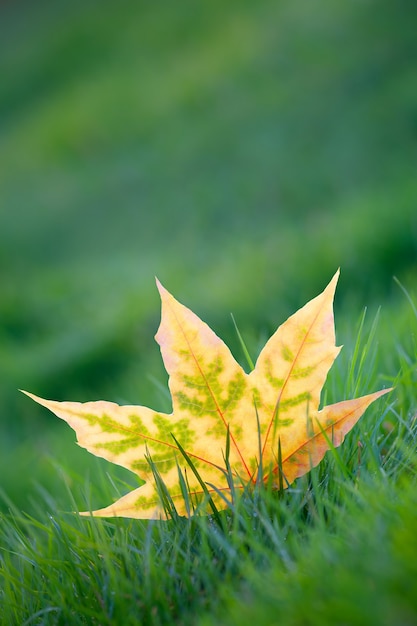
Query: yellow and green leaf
[(275, 406)]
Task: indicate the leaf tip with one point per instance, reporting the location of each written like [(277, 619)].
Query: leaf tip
[(27, 393), (48, 404), (331, 287), (160, 287), (335, 277)]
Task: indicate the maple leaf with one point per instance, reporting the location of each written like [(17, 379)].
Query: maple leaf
[(273, 408)]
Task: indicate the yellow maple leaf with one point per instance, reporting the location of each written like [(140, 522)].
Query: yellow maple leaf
[(274, 407)]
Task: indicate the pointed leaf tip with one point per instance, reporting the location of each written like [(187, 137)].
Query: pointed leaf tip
[(162, 290), (334, 280)]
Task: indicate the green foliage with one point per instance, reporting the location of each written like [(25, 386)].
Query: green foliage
[(362, 571)]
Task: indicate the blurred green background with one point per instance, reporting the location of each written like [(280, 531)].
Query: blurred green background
[(241, 151)]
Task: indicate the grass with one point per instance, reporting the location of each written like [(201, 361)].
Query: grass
[(336, 547)]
